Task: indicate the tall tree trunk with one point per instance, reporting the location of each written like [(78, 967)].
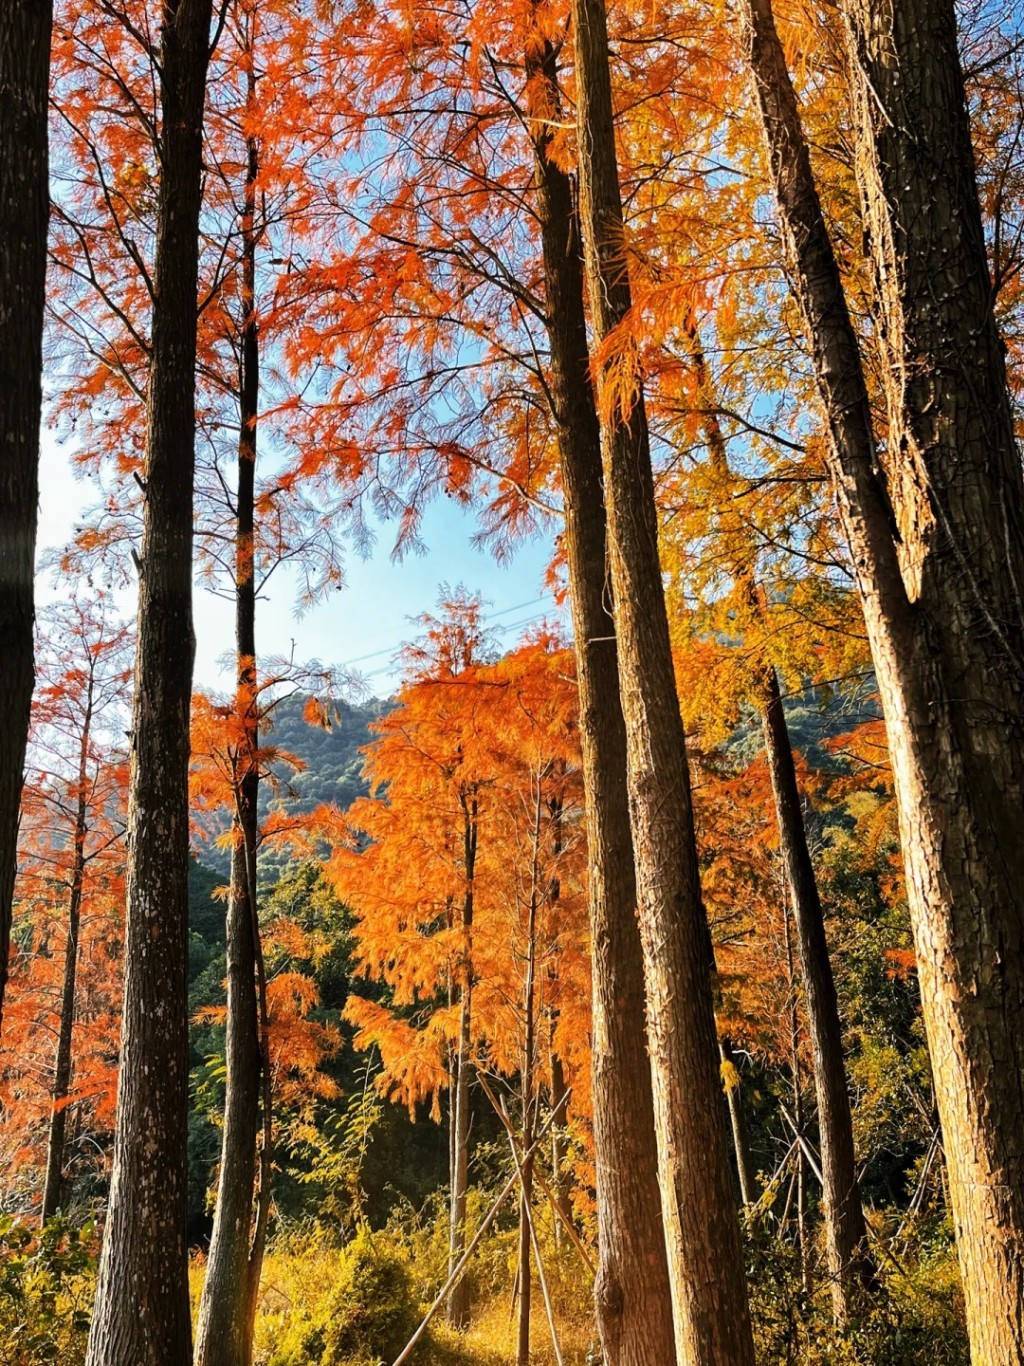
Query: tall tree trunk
[(227, 1307), (712, 1319), (458, 1300), (141, 1316), (24, 213), (938, 572), (849, 1262), (632, 1297), (55, 1145)]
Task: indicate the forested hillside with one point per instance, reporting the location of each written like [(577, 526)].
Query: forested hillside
[(643, 990), (319, 764)]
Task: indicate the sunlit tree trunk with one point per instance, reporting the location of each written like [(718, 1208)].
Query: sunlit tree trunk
[(632, 1298), (712, 1321), (24, 214), (227, 1307), (141, 1315), (936, 529), (740, 1145), (53, 1184)]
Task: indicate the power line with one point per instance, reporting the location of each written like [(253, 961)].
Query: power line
[(391, 649), (500, 630)]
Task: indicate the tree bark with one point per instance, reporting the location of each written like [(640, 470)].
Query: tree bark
[(632, 1297), (142, 1316), (227, 1306), (24, 213), (938, 571), (54, 1180), (712, 1321)]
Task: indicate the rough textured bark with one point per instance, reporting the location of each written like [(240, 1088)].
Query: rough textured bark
[(24, 213), (141, 1315), (712, 1320), (54, 1179), (458, 1301), (849, 1262), (938, 569), (632, 1297), (227, 1306)]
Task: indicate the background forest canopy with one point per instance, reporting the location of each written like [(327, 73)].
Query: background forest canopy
[(490, 1017)]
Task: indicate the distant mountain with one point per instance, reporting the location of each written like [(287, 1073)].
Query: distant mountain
[(332, 772), (333, 763)]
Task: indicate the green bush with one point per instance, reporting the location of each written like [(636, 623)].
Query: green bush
[(915, 1317), (367, 1316)]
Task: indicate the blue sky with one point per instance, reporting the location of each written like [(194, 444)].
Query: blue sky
[(369, 617)]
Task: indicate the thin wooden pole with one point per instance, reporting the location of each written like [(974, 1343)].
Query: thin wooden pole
[(577, 1241), (488, 1220), (533, 1239)]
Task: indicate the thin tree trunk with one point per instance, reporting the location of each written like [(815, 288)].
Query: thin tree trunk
[(632, 1297), (528, 1071), (798, 1110), (741, 1147), (142, 1316), (227, 1306), (54, 1180), (458, 1303), (24, 212), (850, 1265), (712, 1319), (939, 572), (560, 1174)]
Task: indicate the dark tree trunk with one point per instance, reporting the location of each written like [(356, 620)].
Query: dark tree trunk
[(633, 1302), (142, 1315), (850, 1266), (55, 1146), (939, 570), (24, 213), (798, 1112), (712, 1320), (227, 1307)]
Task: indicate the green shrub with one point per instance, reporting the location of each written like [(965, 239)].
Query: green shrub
[(914, 1318), (367, 1316)]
